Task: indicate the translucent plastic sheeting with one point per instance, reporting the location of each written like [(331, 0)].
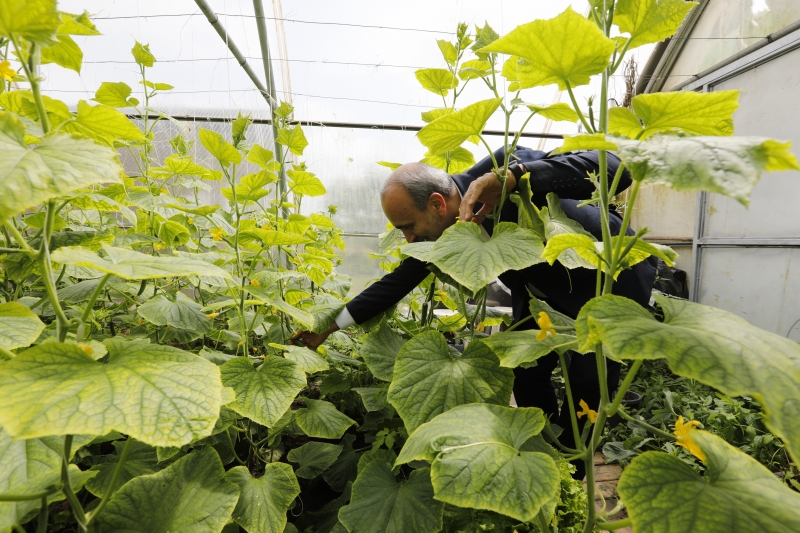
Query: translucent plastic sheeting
[(350, 62), (727, 27), (357, 263)]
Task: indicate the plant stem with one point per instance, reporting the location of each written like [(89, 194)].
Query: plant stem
[(41, 523), (623, 388), (572, 411), (47, 276), (92, 299), (542, 521), (652, 429), (578, 109), (10, 497), (80, 516), (114, 478), (6, 354), (611, 526), (236, 455)]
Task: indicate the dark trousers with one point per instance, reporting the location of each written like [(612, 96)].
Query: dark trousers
[(533, 388)]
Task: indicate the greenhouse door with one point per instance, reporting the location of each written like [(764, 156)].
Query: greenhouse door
[(747, 261)]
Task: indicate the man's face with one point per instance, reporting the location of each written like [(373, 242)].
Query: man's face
[(417, 225)]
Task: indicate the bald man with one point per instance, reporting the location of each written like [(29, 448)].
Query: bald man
[(422, 202)]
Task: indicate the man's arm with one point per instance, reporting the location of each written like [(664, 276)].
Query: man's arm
[(373, 300), (564, 174)]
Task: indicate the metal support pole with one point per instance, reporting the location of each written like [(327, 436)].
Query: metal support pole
[(262, 38), (220, 29)]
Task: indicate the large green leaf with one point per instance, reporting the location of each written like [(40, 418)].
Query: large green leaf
[(462, 254), (520, 348), (179, 312), (217, 146), (478, 460), (293, 138), (64, 53), (436, 80), (305, 183), (556, 222), (29, 466), (430, 378), (449, 131), (192, 496), (380, 350), (141, 460), (379, 504), (103, 124), (129, 264), (322, 420), (57, 166), (274, 238), (650, 21), (725, 165), (263, 501), (559, 112), (309, 361), (687, 111), (263, 394), (567, 49), (19, 326), (157, 394), (586, 141), (114, 94), (459, 160), (313, 458), (708, 344), (34, 20), (345, 468), (736, 494)]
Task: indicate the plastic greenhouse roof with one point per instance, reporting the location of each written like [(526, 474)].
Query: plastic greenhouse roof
[(340, 61)]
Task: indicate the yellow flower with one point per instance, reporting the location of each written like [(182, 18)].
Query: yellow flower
[(545, 326), (191, 220), (7, 72), (590, 413), (212, 315), (683, 432), (255, 283), (83, 346), (217, 233)]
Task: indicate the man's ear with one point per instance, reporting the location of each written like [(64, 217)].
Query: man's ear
[(438, 203)]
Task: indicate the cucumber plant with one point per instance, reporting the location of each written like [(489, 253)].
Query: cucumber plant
[(144, 336)]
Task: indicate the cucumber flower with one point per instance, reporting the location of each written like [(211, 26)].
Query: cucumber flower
[(6, 71), (545, 326), (590, 413), (217, 233), (683, 431)]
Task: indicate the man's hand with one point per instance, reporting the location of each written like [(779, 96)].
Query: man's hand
[(485, 190), (313, 340)]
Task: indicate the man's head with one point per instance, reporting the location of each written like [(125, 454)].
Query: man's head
[(421, 201)]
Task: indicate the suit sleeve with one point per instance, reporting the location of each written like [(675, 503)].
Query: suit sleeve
[(564, 174), (387, 291)]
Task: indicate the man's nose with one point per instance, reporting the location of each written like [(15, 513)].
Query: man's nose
[(409, 236)]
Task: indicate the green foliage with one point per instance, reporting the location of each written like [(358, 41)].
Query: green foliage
[(725, 165), (139, 383), (565, 50), (192, 494), (381, 504), (430, 378), (745, 360), (147, 337), (263, 394), (482, 446), (665, 495), (263, 501)]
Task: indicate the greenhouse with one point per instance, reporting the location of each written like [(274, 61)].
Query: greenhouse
[(330, 267)]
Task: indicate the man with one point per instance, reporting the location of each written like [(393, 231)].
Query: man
[(422, 202)]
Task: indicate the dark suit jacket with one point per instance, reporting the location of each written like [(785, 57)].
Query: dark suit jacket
[(565, 290)]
